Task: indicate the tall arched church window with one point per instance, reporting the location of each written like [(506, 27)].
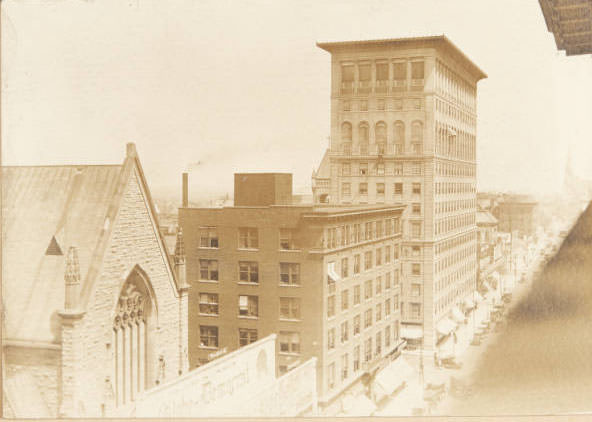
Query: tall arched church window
[(346, 131), (134, 317)]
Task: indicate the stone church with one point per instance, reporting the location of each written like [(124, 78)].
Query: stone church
[(94, 310)]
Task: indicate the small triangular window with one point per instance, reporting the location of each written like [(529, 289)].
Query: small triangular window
[(53, 248)]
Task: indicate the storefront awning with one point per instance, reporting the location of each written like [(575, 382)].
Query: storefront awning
[(393, 376), (457, 315), (445, 326), (411, 332)]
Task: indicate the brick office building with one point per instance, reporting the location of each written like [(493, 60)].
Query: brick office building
[(94, 311), (325, 279), (403, 130)]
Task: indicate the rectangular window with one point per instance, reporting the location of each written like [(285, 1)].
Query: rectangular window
[(289, 342), (416, 168), (416, 188), (346, 189), (415, 310), (416, 230), (398, 188), (287, 242), (208, 269), (363, 188), (378, 343), (344, 300), (417, 70), (415, 290), (344, 366), (356, 264), (363, 169), (368, 231), (208, 237), (416, 208), (344, 267), (331, 339), (347, 73), (382, 71), (367, 260), (415, 269), (357, 294), (208, 336), (248, 272), (248, 306), (398, 169), (415, 251), (395, 303), (387, 281), (357, 323), (379, 229), (388, 227), (380, 169), (346, 169), (331, 375), (387, 254), (378, 256), (290, 273), (356, 358), (368, 289), (378, 312), (368, 350), (208, 303), (344, 332), (387, 308), (378, 285), (380, 189), (246, 336), (368, 318), (387, 336), (400, 71), (331, 306), (364, 72), (396, 277), (248, 238), (289, 308)]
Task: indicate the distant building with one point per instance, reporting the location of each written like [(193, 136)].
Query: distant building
[(570, 21), (491, 246), (515, 213), (326, 279), (403, 130), (95, 311)]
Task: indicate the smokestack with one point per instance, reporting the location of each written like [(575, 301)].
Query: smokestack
[(185, 190)]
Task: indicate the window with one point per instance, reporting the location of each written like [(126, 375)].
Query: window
[(415, 251), (416, 188), (208, 303), (381, 71), (380, 189), (368, 289), (378, 312), (416, 168), (344, 300), (417, 70), (331, 339), (344, 332), (208, 237), (246, 336), (208, 269), (344, 366), (347, 73), (378, 257), (415, 310), (380, 106), (357, 323), (331, 375), (415, 290), (248, 306), (415, 229), (289, 308), (363, 131), (356, 358), (364, 72), (346, 169), (289, 342), (287, 242), (378, 285), (400, 71), (368, 318), (248, 272), (208, 336), (380, 132), (368, 350), (346, 131), (290, 273), (416, 208), (356, 264), (363, 188), (357, 295), (415, 269), (363, 169), (368, 231), (395, 303), (378, 343), (367, 260), (387, 308), (398, 188), (398, 169), (346, 105), (400, 134), (346, 189), (387, 255), (344, 267), (248, 238), (387, 336), (396, 330), (380, 169), (379, 229), (387, 281)]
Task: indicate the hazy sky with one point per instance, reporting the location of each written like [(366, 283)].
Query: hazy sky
[(241, 86)]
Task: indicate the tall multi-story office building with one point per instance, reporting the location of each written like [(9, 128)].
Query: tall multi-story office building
[(325, 279), (403, 130)]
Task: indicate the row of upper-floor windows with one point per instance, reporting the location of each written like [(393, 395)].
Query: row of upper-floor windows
[(452, 85), (413, 168), (289, 341), (382, 71), (456, 205), (248, 272), (457, 242), (248, 238), (455, 169), (354, 266), (379, 189), (350, 234), (444, 188), (461, 255), (381, 104), (454, 144), (248, 306), (455, 113), (454, 295), (380, 132), (448, 224)]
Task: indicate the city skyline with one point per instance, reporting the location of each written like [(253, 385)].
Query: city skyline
[(226, 101)]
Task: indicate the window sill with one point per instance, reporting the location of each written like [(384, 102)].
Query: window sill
[(289, 353), (290, 319), (208, 247), (289, 285), (247, 317), (289, 250), (209, 281), (209, 315), (209, 347), (248, 249), (247, 283)]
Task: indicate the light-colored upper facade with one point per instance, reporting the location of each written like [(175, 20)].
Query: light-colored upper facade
[(403, 130)]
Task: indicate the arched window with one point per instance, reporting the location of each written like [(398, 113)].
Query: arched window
[(399, 137), (417, 131), (133, 358), (380, 132), (363, 133), (346, 131)]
